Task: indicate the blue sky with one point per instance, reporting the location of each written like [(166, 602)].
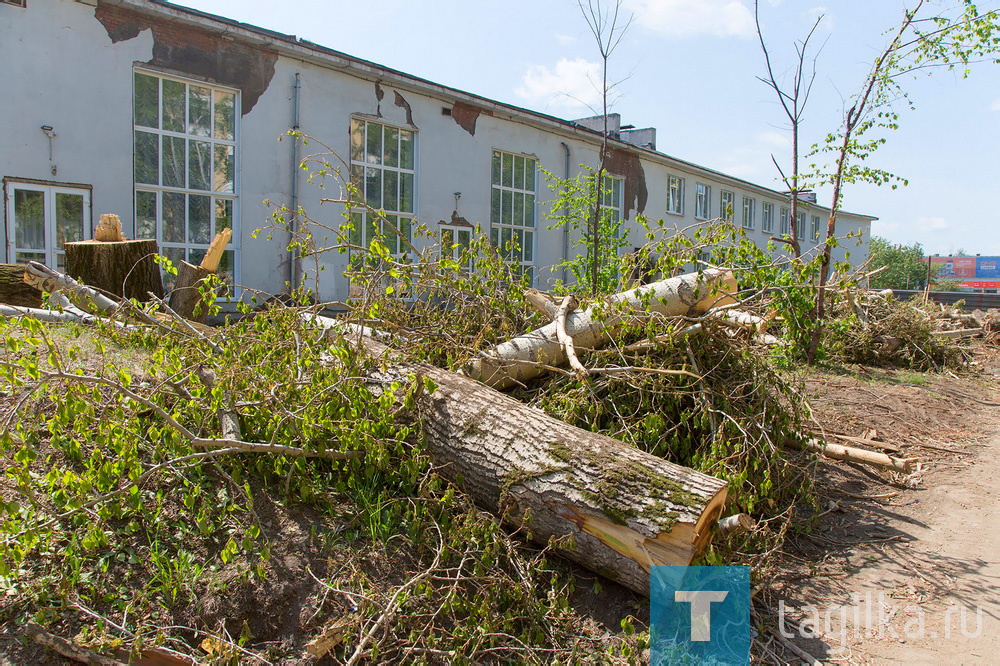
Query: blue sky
[(689, 68)]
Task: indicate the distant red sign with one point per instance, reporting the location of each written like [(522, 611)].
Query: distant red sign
[(956, 267)]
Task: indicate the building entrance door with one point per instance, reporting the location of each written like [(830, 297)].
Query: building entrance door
[(42, 218)]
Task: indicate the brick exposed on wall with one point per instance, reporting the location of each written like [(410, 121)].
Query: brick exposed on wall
[(197, 52)]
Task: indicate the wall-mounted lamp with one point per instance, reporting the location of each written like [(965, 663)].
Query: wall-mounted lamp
[(49, 132)]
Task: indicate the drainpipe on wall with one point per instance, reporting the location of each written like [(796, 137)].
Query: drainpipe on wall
[(565, 270), (294, 272)]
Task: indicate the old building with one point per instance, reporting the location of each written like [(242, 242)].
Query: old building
[(171, 118)]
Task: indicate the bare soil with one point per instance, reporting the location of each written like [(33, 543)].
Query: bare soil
[(894, 560)]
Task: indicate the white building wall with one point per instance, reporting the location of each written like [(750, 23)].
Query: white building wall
[(71, 76)]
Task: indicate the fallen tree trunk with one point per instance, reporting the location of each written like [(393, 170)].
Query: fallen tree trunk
[(612, 508), (126, 269), (13, 290), (526, 356)]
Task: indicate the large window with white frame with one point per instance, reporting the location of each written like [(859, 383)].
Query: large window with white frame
[(702, 201), (42, 218), (612, 199), (383, 169), (802, 226), (767, 217), (512, 209), (186, 151), (749, 205), (785, 229), (815, 228), (727, 204), (675, 195)]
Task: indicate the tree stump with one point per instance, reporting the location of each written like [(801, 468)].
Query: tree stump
[(186, 294), (13, 289), (125, 268)]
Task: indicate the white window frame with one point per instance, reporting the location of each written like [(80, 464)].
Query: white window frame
[(675, 195), (767, 217), (785, 228), (612, 197), (52, 253), (802, 226), (749, 206), (365, 222), (702, 201), (502, 196), (189, 250), (815, 228), (727, 205)]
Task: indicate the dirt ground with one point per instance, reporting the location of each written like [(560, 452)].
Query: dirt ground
[(896, 562)]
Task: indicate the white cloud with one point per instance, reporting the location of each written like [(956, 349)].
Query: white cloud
[(995, 106), (929, 224), (565, 40), (693, 18), (571, 85)]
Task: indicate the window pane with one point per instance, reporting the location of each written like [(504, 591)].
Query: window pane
[(390, 154), (496, 168), (495, 236), (69, 218), (528, 250), (507, 175), (405, 149), (406, 229), (518, 209), (173, 217), (175, 255), (225, 116), (224, 169), (357, 141), (371, 232), (147, 158), (145, 214), (199, 219), (223, 214), (147, 101), (505, 239), (25, 257), (506, 214), (389, 227), (29, 220), (227, 268), (406, 192), (195, 255), (173, 161), (373, 187), (495, 207), (374, 145), (529, 210), (199, 165), (519, 172), (529, 174), (173, 105), (357, 222), (199, 111), (390, 196)]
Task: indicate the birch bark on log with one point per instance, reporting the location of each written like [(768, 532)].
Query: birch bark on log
[(610, 507), (525, 356), (13, 290)]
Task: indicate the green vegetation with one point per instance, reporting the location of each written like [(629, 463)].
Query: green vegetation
[(905, 265)]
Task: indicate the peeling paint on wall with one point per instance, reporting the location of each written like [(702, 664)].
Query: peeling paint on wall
[(379, 94), (403, 104), (466, 115), (629, 167), (200, 53)]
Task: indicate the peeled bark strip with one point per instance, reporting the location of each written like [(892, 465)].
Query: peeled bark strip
[(612, 508), (524, 357), (124, 268), (13, 290)]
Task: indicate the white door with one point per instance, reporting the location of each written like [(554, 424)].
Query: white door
[(42, 218)]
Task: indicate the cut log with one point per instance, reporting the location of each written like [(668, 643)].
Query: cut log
[(542, 303), (854, 454), (109, 229), (612, 508), (14, 291), (959, 333), (735, 525), (43, 278), (526, 356), (186, 296), (126, 269), (210, 262)]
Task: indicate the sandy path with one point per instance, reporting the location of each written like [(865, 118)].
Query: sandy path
[(944, 555)]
